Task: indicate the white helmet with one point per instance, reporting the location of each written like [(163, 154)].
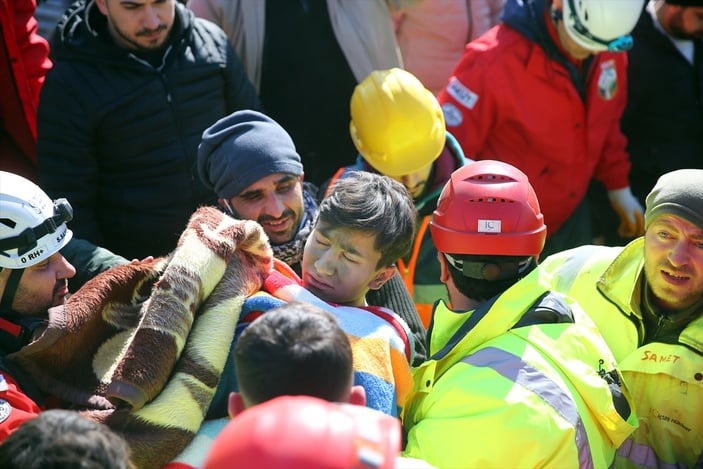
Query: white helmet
[(602, 25), (32, 226)]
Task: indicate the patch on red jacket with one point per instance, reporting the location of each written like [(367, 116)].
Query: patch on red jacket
[(461, 93), (5, 410), (608, 80), (452, 115)]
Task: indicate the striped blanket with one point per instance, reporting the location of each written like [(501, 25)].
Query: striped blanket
[(381, 344), (142, 346)]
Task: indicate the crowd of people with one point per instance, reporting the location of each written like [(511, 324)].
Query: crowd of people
[(334, 234)]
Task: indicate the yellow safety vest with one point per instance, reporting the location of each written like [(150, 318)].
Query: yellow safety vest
[(516, 383), (666, 379)]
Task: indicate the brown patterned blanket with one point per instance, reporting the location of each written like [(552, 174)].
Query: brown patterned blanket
[(141, 346)]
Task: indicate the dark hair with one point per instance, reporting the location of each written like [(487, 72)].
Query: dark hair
[(372, 203), (482, 289), (62, 439), (294, 349)]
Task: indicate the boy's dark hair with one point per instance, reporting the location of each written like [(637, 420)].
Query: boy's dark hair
[(295, 349), (60, 439), (376, 204)]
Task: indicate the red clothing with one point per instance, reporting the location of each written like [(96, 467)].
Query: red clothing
[(24, 61), (20, 407), (507, 100)]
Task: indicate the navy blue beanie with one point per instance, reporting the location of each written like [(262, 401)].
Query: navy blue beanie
[(238, 150)]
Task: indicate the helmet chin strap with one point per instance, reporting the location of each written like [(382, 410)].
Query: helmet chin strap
[(15, 331), (8, 296), (557, 15)]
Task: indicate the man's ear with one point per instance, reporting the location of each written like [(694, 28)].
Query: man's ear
[(235, 404), (226, 205), (443, 268), (382, 277), (101, 6), (357, 395)]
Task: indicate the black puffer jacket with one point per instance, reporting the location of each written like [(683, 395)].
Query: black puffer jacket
[(118, 137), (663, 120)]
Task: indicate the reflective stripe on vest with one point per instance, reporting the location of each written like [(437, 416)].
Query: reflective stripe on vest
[(515, 369), (643, 456)]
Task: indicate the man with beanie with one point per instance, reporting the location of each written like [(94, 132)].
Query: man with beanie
[(663, 120), (545, 91), (250, 162), (647, 300)]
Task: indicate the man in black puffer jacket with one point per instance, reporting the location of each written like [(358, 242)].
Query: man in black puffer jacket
[(121, 115)]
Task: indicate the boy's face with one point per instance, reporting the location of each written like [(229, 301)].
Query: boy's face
[(340, 265)]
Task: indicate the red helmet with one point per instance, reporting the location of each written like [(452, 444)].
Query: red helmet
[(488, 208), (304, 431)]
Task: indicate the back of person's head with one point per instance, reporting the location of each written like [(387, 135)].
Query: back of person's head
[(601, 25), (304, 431), (294, 349), (396, 123), (374, 204), (489, 227), (678, 193), (241, 148), (63, 439)]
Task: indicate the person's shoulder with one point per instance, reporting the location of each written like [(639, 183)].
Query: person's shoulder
[(501, 46), (16, 406), (400, 330), (209, 41), (208, 28), (500, 40)]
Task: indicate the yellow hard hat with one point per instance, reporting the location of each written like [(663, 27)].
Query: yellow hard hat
[(396, 123)]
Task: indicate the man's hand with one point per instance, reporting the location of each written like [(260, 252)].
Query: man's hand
[(630, 212)]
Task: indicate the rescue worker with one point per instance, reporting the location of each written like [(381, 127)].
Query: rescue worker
[(518, 376), (33, 278), (551, 78), (647, 299), (398, 128)]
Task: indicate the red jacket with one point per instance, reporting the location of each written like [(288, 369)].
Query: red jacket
[(15, 406), (507, 100), (24, 61)]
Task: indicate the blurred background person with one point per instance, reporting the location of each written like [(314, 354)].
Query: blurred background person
[(305, 57), (24, 62), (432, 35), (545, 91)]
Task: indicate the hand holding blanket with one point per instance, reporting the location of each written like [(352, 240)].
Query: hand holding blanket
[(141, 347)]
